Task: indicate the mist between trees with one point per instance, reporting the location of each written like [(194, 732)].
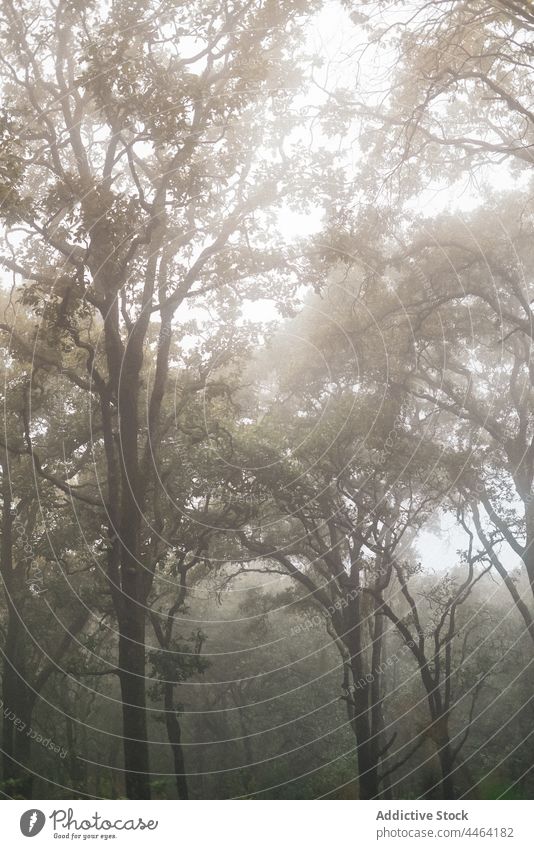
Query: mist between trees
[(266, 320)]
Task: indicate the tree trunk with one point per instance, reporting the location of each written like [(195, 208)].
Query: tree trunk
[(377, 713), (174, 733), (130, 581), (77, 767), (18, 703), (367, 746), (528, 556), (133, 695), (446, 764)]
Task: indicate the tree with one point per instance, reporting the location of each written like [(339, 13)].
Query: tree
[(456, 103), (144, 167), (42, 622), (334, 509), (434, 645)]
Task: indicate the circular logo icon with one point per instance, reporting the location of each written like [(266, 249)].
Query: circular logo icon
[(31, 822)]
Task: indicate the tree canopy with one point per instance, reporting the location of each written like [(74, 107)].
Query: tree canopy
[(267, 454)]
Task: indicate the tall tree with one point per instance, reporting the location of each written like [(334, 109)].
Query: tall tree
[(146, 160)]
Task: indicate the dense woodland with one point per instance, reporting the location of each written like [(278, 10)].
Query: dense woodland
[(267, 448)]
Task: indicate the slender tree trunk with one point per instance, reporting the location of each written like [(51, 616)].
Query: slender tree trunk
[(528, 560), (528, 556), (246, 774), (377, 713), (367, 746), (174, 730), (10, 679), (446, 762), (174, 733), (77, 767), (247, 746), (133, 695)]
